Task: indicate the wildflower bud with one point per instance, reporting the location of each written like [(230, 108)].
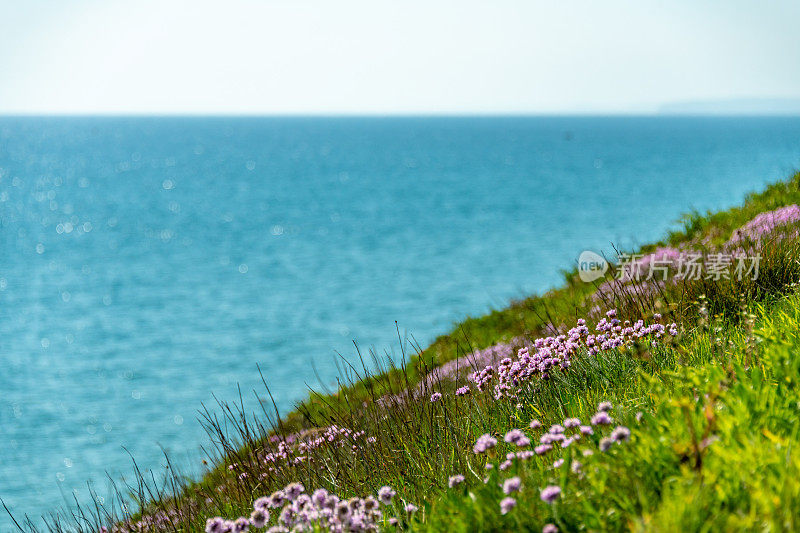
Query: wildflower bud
[(511, 485), (385, 494), (550, 494), (259, 518), (507, 504)]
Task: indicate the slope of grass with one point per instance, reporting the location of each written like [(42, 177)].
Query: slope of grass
[(709, 417)]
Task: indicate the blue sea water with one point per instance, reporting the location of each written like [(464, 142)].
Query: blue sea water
[(148, 263)]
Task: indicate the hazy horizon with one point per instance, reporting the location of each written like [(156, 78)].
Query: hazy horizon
[(760, 107), (356, 57)]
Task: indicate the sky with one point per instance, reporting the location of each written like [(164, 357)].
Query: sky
[(392, 57)]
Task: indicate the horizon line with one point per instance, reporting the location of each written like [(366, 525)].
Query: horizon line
[(420, 114)]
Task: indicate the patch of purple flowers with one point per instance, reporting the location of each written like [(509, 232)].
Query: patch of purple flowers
[(766, 223), (454, 481), (484, 442), (507, 504), (511, 485), (302, 512), (550, 494), (516, 436)]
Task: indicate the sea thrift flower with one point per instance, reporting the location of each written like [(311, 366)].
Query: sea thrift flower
[(566, 442), (511, 485), (517, 437), (604, 406), (227, 526), (287, 516), (320, 497), (411, 508), (259, 518), (556, 429), (535, 424), (370, 503), (542, 449), (241, 525), (214, 525), (342, 511), (483, 377), (586, 430), (605, 444), (463, 391), (484, 442), (572, 422), (549, 528), (385, 494), (558, 463), (550, 494), (505, 465), (262, 503), (436, 396), (455, 480), (276, 499), (293, 490), (621, 433), (507, 504), (601, 418)]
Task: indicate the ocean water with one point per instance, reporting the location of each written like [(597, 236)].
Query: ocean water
[(148, 263)]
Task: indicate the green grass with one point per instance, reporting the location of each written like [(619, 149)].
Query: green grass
[(714, 448)]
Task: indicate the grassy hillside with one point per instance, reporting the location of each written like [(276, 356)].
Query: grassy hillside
[(615, 405)]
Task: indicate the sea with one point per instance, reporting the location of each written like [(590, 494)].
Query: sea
[(149, 265)]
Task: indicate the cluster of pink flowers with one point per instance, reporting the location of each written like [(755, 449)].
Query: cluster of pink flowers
[(499, 366), (613, 334), (766, 223), (160, 520), (556, 352), (294, 449), (484, 442), (298, 511), (453, 370), (563, 435)]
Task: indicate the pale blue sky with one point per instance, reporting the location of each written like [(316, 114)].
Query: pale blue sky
[(403, 56)]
